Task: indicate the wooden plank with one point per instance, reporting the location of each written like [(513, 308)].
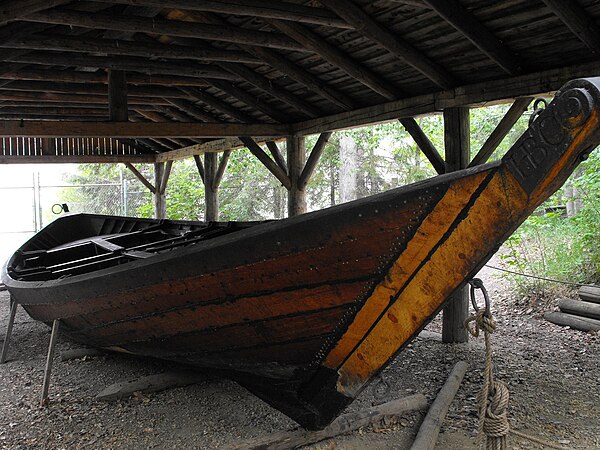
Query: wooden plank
[(333, 55), (253, 8), (11, 10), (425, 144), (430, 428), (370, 28), (151, 383), (192, 110), (76, 159), (267, 162), (582, 24), (117, 96), (126, 48), (142, 129), (218, 104), (159, 26), (511, 117), (345, 424), (537, 83), (465, 22)]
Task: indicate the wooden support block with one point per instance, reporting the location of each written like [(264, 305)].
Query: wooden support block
[(9, 327), (152, 383), (579, 308), (342, 425), (430, 428), (77, 353), (49, 359), (575, 322), (590, 293)]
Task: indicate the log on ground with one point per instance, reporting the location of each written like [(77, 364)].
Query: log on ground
[(575, 322), (590, 293), (152, 383), (580, 308), (342, 425), (430, 428)]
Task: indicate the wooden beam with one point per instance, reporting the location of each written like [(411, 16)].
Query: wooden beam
[(277, 156), (12, 10), (423, 142), (517, 109), (333, 55), (211, 195), (132, 64), (579, 21), (160, 199), (64, 99), (99, 77), (221, 169), (200, 167), (470, 27), (272, 89), (457, 145), (267, 162), (133, 130), (141, 177), (192, 110), (117, 96), (372, 29), (487, 92), (313, 160), (296, 157), (155, 26), (82, 44), (253, 8), (218, 104), (77, 159)]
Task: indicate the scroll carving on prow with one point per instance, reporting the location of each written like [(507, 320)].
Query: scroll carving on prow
[(557, 138)]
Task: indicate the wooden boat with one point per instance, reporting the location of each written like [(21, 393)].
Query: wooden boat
[(305, 311)]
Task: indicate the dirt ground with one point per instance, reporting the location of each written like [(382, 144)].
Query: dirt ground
[(552, 374)]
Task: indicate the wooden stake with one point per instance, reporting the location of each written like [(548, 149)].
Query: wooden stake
[(430, 428), (342, 425), (49, 359), (11, 321)]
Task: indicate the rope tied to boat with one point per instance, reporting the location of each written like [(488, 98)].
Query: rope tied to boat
[(493, 398)]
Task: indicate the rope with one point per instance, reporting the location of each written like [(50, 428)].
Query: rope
[(568, 283), (493, 398)]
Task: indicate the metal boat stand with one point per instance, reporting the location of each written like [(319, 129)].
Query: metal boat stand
[(49, 359), (11, 321)]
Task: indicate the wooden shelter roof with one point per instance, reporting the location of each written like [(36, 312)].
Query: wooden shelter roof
[(198, 70)]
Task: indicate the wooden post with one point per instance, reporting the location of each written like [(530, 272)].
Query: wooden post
[(50, 357), (456, 140), (296, 155), (160, 198), (211, 192), (117, 96), (11, 321)]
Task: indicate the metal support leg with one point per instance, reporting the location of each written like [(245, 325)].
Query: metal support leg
[(11, 321), (48, 370)]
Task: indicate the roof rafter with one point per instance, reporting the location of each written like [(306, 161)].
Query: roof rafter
[(161, 26), (467, 24), (578, 20), (372, 29), (217, 104), (12, 10), (336, 57), (253, 8)]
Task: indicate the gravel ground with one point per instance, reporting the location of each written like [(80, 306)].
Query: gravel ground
[(552, 374)]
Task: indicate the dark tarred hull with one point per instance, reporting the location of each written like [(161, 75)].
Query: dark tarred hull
[(303, 311)]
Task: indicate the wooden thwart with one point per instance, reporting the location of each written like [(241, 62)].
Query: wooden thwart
[(342, 425)]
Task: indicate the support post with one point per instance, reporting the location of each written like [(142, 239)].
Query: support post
[(211, 193), (296, 155), (11, 321), (49, 359), (457, 146), (160, 198), (117, 96)]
